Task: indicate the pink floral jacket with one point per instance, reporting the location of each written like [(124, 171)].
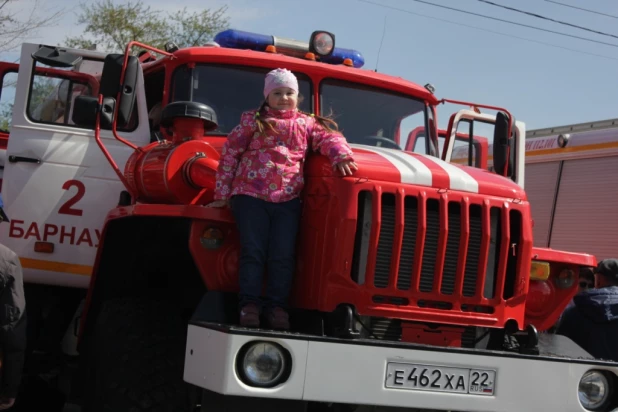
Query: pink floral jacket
[(269, 166)]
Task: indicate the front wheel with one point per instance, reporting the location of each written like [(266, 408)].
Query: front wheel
[(135, 358)]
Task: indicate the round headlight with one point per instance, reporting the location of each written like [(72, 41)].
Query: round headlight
[(263, 364), (593, 390), (565, 279), (322, 43)]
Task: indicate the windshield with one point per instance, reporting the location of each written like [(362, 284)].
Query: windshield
[(230, 90), (365, 115), (372, 116)]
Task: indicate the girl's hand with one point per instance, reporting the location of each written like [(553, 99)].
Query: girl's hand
[(218, 203), (346, 167)]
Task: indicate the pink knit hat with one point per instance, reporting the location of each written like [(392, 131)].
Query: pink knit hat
[(279, 78)]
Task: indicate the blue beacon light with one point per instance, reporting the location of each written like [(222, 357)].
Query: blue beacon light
[(237, 39)]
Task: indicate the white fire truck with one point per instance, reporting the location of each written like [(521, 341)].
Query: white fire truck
[(418, 285)]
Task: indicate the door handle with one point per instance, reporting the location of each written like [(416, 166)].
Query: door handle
[(15, 159)]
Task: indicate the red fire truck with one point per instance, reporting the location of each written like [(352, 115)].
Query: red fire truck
[(573, 173), (562, 183), (417, 283)]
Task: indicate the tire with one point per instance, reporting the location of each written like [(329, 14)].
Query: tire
[(135, 358)]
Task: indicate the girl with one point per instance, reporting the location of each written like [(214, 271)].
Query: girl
[(260, 176)]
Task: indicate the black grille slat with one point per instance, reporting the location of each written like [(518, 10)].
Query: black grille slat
[(385, 242), (511, 262), (493, 260), (474, 251), (406, 262), (430, 252), (451, 259)]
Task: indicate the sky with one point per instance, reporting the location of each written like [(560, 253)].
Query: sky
[(492, 62)]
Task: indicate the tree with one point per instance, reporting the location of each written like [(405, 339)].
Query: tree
[(6, 116), (197, 28), (6, 100), (112, 26), (17, 24), (15, 27)]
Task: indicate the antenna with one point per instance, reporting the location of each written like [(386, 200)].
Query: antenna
[(381, 41)]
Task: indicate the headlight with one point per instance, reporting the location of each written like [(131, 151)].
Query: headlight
[(594, 390), (263, 364), (565, 279)]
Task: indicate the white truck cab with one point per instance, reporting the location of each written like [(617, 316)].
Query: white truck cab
[(57, 184)]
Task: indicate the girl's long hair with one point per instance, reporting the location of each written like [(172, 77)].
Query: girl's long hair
[(325, 121)]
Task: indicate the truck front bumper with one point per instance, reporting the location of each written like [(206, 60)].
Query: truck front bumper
[(370, 372)]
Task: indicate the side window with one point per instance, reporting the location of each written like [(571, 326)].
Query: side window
[(9, 80), (464, 152), (53, 92), (420, 145), (51, 98), (413, 127), (417, 137), (154, 84)]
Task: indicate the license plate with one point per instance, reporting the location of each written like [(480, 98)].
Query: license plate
[(440, 379)]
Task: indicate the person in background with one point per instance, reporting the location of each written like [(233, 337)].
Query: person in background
[(12, 323), (591, 320), (586, 280)]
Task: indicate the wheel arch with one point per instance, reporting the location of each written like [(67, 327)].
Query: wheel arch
[(139, 256)]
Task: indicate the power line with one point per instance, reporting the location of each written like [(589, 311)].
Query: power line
[(504, 21), (494, 18), (547, 18), (579, 8), (489, 31)]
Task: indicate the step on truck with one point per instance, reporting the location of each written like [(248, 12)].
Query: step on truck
[(417, 284)]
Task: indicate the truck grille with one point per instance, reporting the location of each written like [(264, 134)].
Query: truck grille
[(408, 250)]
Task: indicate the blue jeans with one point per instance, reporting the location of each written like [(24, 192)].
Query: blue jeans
[(267, 236)]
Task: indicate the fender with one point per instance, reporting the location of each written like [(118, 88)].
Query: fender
[(548, 298)]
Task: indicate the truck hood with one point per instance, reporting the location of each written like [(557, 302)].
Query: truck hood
[(391, 165)]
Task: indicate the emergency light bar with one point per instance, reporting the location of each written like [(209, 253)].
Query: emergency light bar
[(237, 39)]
